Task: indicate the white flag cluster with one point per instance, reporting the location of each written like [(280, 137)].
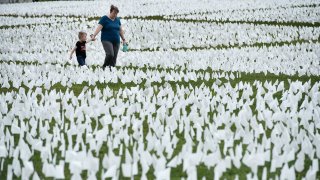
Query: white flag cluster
[(207, 86)]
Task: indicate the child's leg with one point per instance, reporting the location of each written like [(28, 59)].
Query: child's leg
[(84, 61), (81, 60)]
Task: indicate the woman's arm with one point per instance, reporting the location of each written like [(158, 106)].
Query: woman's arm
[(122, 35), (97, 31), (89, 40)]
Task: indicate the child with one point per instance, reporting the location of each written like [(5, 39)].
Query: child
[(81, 48)]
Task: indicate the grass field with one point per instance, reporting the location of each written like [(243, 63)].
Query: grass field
[(193, 98)]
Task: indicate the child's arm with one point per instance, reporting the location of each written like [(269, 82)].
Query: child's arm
[(72, 51), (88, 41)]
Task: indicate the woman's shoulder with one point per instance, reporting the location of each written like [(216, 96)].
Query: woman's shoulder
[(118, 19), (103, 20), (104, 17)]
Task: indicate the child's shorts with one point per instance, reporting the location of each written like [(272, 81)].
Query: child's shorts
[(81, 60)]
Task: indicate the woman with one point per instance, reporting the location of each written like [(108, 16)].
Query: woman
[(111, 30)]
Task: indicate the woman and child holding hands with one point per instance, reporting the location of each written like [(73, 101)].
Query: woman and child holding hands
[(111, 31)]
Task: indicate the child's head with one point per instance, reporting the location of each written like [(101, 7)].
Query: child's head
[(82, 36)]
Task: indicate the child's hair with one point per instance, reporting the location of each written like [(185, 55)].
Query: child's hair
[(81, 33)]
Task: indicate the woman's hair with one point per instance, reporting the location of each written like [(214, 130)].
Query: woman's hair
[(81, 33), (114, 8)]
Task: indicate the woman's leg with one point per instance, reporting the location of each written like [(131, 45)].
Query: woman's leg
[(108, 48), (115, 52)]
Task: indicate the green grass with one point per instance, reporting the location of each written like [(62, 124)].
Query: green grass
[(176, 173), (226, 21)]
